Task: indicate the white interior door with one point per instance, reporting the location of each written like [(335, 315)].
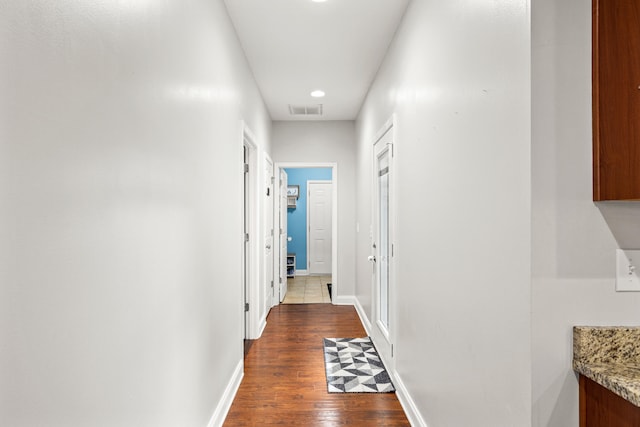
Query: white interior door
[(382, 244), (268, 229), (246, 255), (283, 234), (319, 239)]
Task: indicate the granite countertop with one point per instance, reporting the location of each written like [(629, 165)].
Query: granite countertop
[(610, 356)]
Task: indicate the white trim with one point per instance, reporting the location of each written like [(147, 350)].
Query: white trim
[(302, 272), (277, 194), (390, 123), (304, 165), (266, 282), (334, 215), (407, 403), (275, 297), (262, 325), (224, 404), (380, 332), (364, 319), (249, 133), (247, 138), (343, 300), (385, 331)]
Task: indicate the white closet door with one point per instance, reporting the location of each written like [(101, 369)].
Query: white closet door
[(319, 212)]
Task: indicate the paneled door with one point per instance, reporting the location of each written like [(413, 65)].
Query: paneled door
[(319, 217), (382, 244)]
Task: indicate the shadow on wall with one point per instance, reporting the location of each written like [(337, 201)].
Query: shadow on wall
[(565, 402), (623, 219)]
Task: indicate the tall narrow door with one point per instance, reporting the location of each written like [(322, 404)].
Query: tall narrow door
[(319, 239), (382, 244), (268, 238), (283, 234), (246, 258)]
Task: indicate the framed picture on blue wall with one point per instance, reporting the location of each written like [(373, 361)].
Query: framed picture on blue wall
[(293, 191)]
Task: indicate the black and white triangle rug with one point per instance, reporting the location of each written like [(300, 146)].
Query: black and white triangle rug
[(353, 366)]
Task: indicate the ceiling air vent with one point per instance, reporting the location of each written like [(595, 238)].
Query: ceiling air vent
[(305, 110)]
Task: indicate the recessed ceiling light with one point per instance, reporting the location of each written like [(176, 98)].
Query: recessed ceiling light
[(317, 93)]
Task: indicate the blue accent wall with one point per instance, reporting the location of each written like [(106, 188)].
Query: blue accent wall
[(297, 218)]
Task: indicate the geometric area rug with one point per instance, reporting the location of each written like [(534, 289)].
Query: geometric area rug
[(353, 366)]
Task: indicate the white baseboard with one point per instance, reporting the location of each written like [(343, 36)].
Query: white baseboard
[(219, 415), (363, 316), (302, 272), (409, 406), (263, 324), (343, 300)]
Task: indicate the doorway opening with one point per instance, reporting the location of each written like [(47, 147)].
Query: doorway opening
[(307, 216)]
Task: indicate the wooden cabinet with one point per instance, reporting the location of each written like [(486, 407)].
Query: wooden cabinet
[(600, 407), (616, 100)]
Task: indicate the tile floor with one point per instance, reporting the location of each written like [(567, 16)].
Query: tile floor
[(307, 290)]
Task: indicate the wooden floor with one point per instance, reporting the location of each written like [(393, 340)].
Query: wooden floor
[(285, 382)]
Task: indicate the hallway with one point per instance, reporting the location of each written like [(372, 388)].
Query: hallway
[(285, 382), (126, 282)]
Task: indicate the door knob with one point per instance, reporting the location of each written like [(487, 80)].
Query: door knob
[(372, 258)]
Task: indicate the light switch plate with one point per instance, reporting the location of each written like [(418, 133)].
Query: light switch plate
[(627, 270)]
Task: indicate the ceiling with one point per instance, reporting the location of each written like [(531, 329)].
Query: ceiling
[(297, 46)]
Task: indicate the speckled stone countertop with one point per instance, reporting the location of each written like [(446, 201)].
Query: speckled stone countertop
[(610, 356)]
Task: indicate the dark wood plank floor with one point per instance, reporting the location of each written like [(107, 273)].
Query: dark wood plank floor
[(285, 382)]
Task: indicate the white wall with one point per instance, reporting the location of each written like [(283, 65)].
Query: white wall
[(574, 242), (457, 75), (120, 257), (326, 141)]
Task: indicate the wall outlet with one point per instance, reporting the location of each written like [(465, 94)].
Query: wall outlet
[(627, 270)]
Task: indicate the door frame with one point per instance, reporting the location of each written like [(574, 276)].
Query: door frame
[(335, 282), (277, 214), (250, 292), (265, 302), (316, 181), (385, 342)]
